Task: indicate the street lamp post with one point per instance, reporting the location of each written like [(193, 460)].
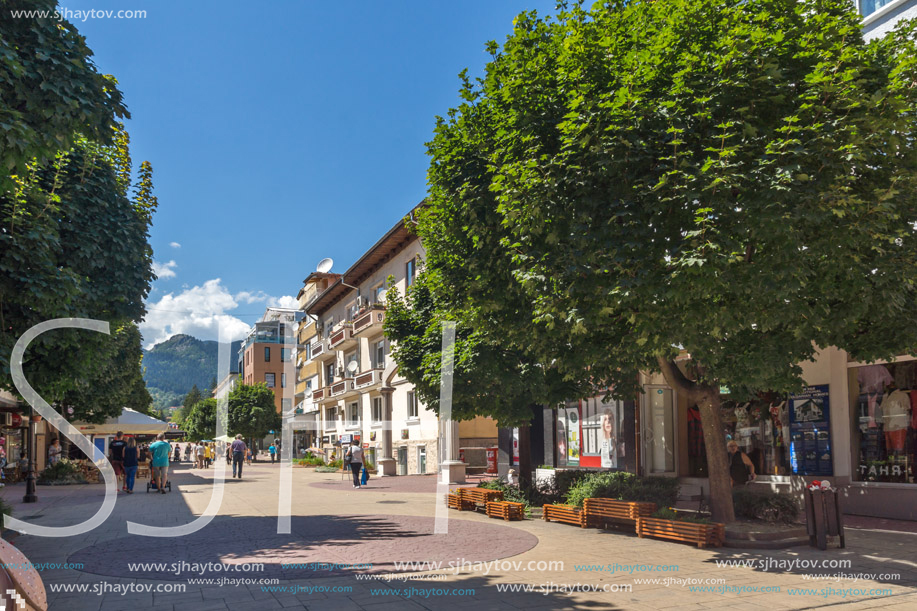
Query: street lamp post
[(30, 496)]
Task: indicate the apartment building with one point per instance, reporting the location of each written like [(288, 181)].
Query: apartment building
[(359, 392), (306, 424), (267, 351)]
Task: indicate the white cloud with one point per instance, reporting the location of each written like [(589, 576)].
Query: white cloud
[(286, 301), (200, 311), (164, 270), (174, 244), (249, 297)]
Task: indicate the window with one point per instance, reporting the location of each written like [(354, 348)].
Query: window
[(267, 354), (329, 374), (284, 355), (377, 409), (353, 414), (269, 380), (379, 293), (283, 380), (868, 7), (352, 309), (308, 351), (412, 405), (410, 270), (421, 459), (331, 417), (379, 354)]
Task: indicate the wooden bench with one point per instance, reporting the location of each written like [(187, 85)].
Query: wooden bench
[(564, 513), (506, 510), (479, 496), (455, 501), (687, 532), (599, 512)]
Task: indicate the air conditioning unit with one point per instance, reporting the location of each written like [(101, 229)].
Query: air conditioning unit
[(7, 420)]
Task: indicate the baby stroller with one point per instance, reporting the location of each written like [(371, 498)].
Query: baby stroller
[(151, 485)]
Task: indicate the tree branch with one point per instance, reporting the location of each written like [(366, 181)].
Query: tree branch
[(675, 377)]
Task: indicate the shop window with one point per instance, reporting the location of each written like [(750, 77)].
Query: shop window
[(884, 411), (762, 430), (601, 426)]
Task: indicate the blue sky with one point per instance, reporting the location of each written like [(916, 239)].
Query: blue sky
[(280, 133)]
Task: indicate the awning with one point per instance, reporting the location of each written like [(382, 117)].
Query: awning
[(130, 422)]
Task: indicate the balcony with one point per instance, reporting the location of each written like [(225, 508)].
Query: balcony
[(319, 394), (342, 388), (368, 379), (342, 338), (320, 351), (369, 323)]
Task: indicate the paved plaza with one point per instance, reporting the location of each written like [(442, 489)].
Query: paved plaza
[(345, 543)]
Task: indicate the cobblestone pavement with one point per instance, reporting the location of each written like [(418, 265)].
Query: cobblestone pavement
[(350, 529)]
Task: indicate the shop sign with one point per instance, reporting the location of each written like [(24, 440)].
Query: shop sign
[(346, 438), (515, 446), (573, 436), (365, 446), (16, 421)]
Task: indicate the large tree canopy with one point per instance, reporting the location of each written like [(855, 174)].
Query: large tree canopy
[(50, 90), (734, 178), (73, 243)]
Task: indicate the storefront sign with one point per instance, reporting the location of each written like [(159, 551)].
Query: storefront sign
[(810, 432), (16, 421)]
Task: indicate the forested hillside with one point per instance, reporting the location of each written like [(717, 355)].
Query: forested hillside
[(180, 362)]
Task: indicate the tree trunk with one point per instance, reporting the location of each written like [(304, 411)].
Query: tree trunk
[(525, 456), (717, 464), (707, 399)]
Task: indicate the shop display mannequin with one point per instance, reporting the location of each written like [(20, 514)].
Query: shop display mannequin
[(873, 379), (896, 408)]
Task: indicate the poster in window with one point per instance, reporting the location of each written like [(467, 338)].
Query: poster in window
[(573, 431), (609, 436), (810, 432)]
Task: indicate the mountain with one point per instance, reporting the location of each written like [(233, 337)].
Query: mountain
[(172, 367)]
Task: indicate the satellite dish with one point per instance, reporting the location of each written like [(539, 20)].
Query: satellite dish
[(324, 265), (352, 366)]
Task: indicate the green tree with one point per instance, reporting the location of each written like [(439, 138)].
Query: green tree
[(193, 397), (118, 383), (201, 421), (252, 411), (50, 90), (489, 378), (73, 244), (734, 178)]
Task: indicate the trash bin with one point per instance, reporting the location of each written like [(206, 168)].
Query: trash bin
[(823, 517)]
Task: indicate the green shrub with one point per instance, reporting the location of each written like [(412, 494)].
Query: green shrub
[(514, 494), (670, 514), (309, 460), (62, 472), (767, 506), (626, 487), (565, 479)]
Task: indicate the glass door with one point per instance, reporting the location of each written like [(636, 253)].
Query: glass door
[(659, 430)]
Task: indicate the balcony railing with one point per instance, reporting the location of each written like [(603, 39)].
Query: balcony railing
[(367, 379), (369, 322), (341, 387), (319, 394), (342, 338)]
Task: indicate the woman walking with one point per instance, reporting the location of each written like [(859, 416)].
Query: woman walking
[(130, 464)]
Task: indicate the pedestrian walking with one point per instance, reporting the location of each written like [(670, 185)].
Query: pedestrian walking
[(272, 450), (160, 466), (176, 456), (248, 456), (355, 455), (188, 451), (131, 456), (207, 455), (116, 456), (238, 452), (199, 454)]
